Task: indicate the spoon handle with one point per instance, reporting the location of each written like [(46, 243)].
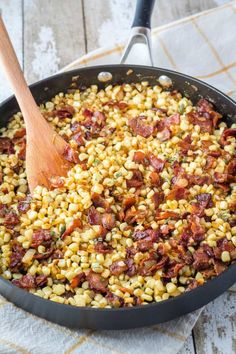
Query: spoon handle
[(12, 69)]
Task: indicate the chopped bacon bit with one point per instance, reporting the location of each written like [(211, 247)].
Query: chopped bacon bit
[(20, 133), (199, 180), (114, 300), (162, 215), (156, 163), (75, 127), (178, 193), (139, 127), (166, 229), (223, 244), (128, 202), (87, 113), (193, 284), (205, 200), (164, 135), (118, 268), (156, 179), (219, 267), (57, 254), (18, 253), (41, 237), (151, 264), (94, 122), (64, 112), (146, 243), (22, 152), (132, 268), (205, 124), (222, 178), (140, 157), (26, 282), (78, 280), (96, 282), (133, 216), (11, 220), (231, 167), (45, 255), (136, 181), (56, 182), (76, 223), (71, 155), (78, 138), (201, 259), (226, 134), (116, 104), (101, 247), (197, 229), (210, 162), (41, 280), (94, 217), (3, 210), (158, 198), (108, 221), (100, 202), (24, 205), (206, 109), (185, 144), (173, 270), (6, 146)]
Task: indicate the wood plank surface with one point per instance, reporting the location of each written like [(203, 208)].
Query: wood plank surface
[(53, 36)]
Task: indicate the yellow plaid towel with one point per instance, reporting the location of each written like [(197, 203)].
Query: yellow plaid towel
[(203, 46)]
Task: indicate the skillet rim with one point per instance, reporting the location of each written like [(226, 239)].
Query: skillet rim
[(225, 275)]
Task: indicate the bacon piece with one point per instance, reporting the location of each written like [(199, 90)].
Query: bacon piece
[(41, 237), (193, 284), (41, 280), (44, 255), (96, 282), (201, 259), (3, 210), (76, 223), (158, 198), (24, 205), (162, 215), (172, 120), (26, 282), (198, 180), (173, 270), (139, 127), (101, 247), (94, 122), (166, 229), (197, 229), (178, 193), (210, 162), (116, 104), (223, 244), (20, 133), (131, 267), (57, 254), (100, 202), (118, 268), (145, 239), (151, 264), (205, 124), (11, 219), (230, 132), (205, 200), (64, 112), (114, 300), (94, 217), (108, 221), (221, 178), (164, 135), (140, 157), (78, 138), (87, 113), (6, 146), (78, 280), (71, 155), (75, 127), (185, 144), (206, 109), (156, 179), (133, 216), (156, 163), (22, 151), (231, 167), (128, 202), (136, 181), (18, 253)]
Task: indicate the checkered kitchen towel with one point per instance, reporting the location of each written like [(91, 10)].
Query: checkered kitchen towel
[(202, 45)]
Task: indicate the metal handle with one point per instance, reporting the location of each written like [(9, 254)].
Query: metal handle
[(140, 32)]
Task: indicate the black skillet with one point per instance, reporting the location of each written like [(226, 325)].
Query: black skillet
[(130, 317)]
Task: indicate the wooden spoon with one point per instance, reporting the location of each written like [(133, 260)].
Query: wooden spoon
[(45, 148)]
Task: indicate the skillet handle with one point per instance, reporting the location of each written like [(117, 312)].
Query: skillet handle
[(140, 33)]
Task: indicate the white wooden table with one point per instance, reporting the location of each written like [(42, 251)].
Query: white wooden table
[(49, 34)]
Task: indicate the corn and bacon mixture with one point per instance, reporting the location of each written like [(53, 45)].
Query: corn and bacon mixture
[(146, 213)]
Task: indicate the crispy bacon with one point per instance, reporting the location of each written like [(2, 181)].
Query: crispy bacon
[(205, 124), (164, 134), (158, 198), (223, 244), (71, 155), (136, 181), (231, 167), (198, 231), (114, 300), (210, 162), (24, 204), (199, 180), (64, 112), (201, 259), (205, 200), (178, 193), (151, 264), (94, 122), (75, 127), (173, 270), (78, 138), (100, 202), (108, 221), (41, 237), (101, 247), (57, 254), (76, 223), (145, 239), (162, 215), (206, 109), (230, 132), (140, 157), (94, 217), (97, 282), (128, 202), (185, 144), (11, 220), (29, 281), (118, 267), (6, 146), (156, 179), (41, 280), (133, 216), (20, 133), (131, 267), (78, 280), (156, 163), (3, 210), (193, 284), (44, 255), (116, 104), (139, 127), (221, 178), (22, 151), (18, 253)]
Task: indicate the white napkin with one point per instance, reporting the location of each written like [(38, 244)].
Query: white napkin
[(202, 45)]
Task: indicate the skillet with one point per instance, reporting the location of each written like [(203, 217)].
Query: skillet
[(44, 90)]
